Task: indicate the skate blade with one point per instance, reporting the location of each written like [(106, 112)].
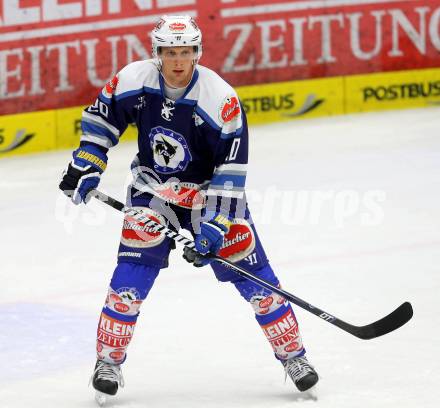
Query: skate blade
[(101, 398)]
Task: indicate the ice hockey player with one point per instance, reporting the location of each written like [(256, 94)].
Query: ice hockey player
[(189, 173)]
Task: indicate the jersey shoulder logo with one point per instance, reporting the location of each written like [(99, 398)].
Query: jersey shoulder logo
[(229, 109), (110, 87), (170, 150)]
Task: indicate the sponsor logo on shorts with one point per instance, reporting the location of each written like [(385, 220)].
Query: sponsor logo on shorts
[(136, 235), (239, 242)]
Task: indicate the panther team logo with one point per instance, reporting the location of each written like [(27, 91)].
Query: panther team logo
[(170, 150)]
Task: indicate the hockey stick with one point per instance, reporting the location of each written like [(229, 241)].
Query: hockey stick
[(387, 324)]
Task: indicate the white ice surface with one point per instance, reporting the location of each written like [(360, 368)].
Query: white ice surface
[(196, 343)]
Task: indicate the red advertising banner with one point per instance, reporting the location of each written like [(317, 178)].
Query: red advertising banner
[(60, 53)]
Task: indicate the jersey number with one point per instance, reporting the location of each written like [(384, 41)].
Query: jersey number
[(100, 107), (234, 150)]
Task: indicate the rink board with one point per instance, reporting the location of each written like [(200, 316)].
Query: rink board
[(28, 133), (281, 101), (392, 90)]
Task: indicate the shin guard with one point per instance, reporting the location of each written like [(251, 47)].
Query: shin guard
[(129, 287), (279, 324), (116, 327), (274, 314)]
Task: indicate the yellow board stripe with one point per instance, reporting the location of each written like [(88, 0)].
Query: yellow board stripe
[(264, 103)]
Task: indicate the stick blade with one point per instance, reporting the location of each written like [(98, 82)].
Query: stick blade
[(387, 324)]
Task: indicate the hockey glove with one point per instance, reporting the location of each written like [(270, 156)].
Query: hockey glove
[(84, 173), (210, 239), (194, 257)]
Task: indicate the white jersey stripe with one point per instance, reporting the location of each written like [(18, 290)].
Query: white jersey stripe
[(88, 117), (97, 139), (231, 167), (225, 193)]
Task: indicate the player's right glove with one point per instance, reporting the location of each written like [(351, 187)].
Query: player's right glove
[(84, 173)]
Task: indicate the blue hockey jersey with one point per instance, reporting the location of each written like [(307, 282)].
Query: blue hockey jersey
[(193, 147)]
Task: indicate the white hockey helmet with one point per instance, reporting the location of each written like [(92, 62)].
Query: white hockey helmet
[(176, 31)]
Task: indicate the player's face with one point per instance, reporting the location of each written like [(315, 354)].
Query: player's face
[(177, 65)]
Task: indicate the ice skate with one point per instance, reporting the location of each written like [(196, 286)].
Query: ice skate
[(301, 372), (106, 380)]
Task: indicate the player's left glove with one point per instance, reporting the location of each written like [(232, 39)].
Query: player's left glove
[(196, 258), (210, 239), (84, 173)]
